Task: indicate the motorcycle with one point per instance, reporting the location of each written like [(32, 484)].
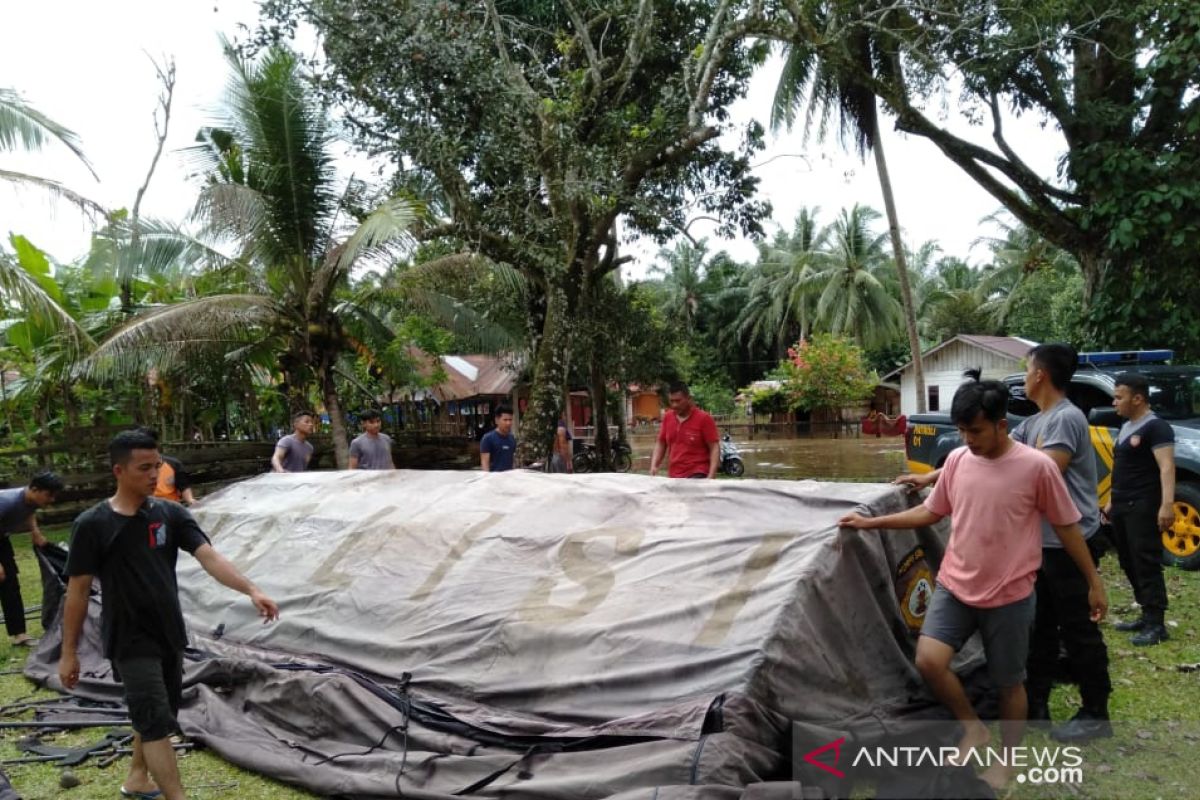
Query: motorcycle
[(587, 459), (731, 458)]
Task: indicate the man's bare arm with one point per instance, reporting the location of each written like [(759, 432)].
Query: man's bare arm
[(918, 480), (223, 570), (277, 460), (1165, 456), (1061, 458), (75, 605), (916, 517), (660, 451), (35, 533)]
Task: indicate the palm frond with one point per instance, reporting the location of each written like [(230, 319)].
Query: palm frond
[(20, 285), (55, 190), (165, 336), (23, 126), (474, 329), (377, 236), (234, 211), (282, 128)]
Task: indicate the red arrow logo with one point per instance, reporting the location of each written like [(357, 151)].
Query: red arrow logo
[(836, 747)]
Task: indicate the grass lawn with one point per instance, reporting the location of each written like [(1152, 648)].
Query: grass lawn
[(1154, 704)]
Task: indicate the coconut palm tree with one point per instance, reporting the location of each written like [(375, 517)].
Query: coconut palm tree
[(1016, 254), (832, 88), (953, 301), (779, 298), (271, 190), (854, 297), (682, 273)]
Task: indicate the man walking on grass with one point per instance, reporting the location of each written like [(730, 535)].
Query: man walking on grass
[(371, 449), (1142, 505), (18, 510), (996, 492), (131, 541)]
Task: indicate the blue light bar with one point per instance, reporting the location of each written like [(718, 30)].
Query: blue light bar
[(1127, 357)]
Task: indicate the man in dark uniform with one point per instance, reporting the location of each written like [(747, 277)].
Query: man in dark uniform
[(1142, 505), (131, 541)]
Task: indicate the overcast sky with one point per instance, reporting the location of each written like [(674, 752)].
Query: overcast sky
[(87, 65)]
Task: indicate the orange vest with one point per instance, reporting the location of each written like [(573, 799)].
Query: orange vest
[(166, 483)]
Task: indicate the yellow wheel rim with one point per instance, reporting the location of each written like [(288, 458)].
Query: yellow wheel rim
[(1183, 539)]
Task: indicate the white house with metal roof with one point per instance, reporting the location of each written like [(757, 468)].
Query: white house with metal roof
[(944, 364)]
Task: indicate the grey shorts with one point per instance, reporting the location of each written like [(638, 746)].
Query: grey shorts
[(1004, 630)]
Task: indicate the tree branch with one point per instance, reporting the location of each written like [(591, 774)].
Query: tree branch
[(1020, 166), (167, 78), (585, 40)]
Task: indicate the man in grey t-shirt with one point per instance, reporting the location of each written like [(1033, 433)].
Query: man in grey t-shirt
[(372, 449), (1061, 431), (294, 451)]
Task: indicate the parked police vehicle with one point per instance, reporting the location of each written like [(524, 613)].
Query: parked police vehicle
[(1174, 396)]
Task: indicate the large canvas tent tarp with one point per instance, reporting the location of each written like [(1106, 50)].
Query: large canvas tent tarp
[(532, 635)]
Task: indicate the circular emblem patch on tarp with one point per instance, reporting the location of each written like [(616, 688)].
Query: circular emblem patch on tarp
[(914, 588)]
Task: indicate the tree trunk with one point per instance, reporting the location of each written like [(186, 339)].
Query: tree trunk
[(549, 374), (337, 421), (69, 409), (598, 388), (906, 300), (622, 419)]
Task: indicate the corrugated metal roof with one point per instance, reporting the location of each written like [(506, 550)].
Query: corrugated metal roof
[(1008, 346)]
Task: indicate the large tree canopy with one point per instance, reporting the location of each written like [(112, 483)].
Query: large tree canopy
[(1120, 80), (543, 125)]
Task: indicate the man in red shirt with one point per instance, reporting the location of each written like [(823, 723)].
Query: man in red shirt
[(688, 439)]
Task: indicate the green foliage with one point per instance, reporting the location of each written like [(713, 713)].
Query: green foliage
[(771, 399), (1118, 80), (1047, 307), (828, 372), (543, 124), (714, 398)]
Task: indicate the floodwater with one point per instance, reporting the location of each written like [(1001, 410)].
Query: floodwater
[(861, 459)]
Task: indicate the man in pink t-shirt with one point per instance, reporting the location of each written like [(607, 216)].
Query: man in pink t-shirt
[(996, 492), (688, 438)]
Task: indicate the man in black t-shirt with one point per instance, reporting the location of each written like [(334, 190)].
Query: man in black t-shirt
[(131, 541), (1142, 505)]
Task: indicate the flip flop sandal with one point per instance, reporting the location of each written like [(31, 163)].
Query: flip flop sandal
[(29, 642), (157, 793)]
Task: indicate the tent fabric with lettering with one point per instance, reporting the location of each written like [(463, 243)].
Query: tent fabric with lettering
[(532, 635)]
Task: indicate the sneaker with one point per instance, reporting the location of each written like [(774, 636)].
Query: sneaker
[(1150, 635), (1132, 626), (1083, 727)]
